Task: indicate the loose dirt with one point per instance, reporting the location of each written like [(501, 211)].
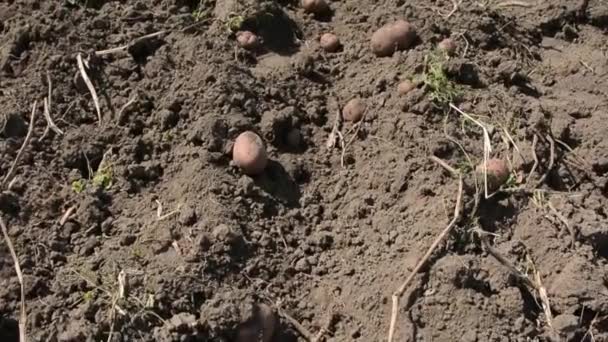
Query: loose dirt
[(139, 228)]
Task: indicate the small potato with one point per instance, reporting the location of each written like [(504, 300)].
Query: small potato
[(249, 153), (497, 171), (448, 46), (329, 42), (405, 87), (391, 37), (247, 40), (353, 111), (315, 6)]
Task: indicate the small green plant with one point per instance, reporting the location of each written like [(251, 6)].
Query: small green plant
[(103, 177), (464, 166), (442, 89), (78, 186), (234, 22), (167, 137), (137, 252), (87, 296), (511, 181)]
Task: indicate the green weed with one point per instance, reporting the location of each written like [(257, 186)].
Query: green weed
[(103, 177), (78, 186), (234, 22), (442, 89)]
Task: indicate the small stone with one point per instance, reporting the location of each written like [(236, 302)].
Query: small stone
[(302, 265), (187, 216), (566, 323), (127, 240), (246, 185), (182, 322), (89, 247), (168, 119), (469, 336), (224, 233)]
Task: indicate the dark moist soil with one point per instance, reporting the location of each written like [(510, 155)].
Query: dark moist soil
[(140, 227)]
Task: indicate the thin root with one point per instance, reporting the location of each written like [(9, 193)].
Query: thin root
[(397, 294), (23, 315), (28, 136)]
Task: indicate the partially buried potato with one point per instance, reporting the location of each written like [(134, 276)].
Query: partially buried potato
[(329, 42), (497, 170), (247, 40), (315, 6), (405, 87), (353, 111), (391, 37), (249, 153), (448, 46)]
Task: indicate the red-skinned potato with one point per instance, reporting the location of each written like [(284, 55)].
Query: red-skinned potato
[(329, 42), (405, 87), (247, 40), (353, 110), (398, 35), (448, 46), (249, 153), (315, 6), (497, 171)]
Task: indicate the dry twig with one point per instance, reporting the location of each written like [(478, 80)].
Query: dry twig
[(487, 146), (133, 42), (294, 322), (564, 221), (87, 81), (445, 165), (23, 314), (536, 285), (28, 136), (535, 156), (397, 294), (124, 107), (49, 121), (455, 5)]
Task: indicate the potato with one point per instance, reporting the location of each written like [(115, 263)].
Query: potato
[(315, 6), (405, 87), (353, 111), (329, 42), (249, 153), (448, 46), (391, 37), (497, 170), (247, 40)]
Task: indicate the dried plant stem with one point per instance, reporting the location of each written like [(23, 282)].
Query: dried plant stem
[(23, 314), (487, 146), (28, 136), (536, 285), (397, 294), (87, 81), (49, 121), (133, 42), (445, 165), (299, 327)]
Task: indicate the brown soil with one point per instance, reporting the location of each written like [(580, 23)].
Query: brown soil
[(327, 236)]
